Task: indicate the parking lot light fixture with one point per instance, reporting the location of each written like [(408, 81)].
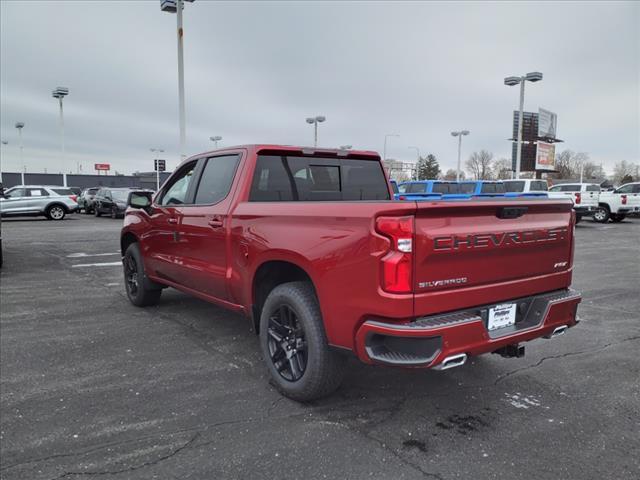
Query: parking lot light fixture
[(176, 6), (459, 134), (512, 82), (315, 121), (215, 140), (384, 151), (60, 93), (20, 126)]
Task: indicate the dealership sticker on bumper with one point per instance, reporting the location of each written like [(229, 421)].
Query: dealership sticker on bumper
[(502, 316)]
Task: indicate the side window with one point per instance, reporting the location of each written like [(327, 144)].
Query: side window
[(636, 188), (37, 192), (593, 188), (516, 186), (538, 186), (625, 189), (175, 193), (402, 188), (16, 192), (488, 188), (216, 179)]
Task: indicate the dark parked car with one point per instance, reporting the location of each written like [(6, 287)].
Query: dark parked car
[(113, 201), (86, 199)]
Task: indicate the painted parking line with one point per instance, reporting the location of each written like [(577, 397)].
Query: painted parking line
[(82, 255), (106, 264)]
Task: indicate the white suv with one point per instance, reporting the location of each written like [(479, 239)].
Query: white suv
[(32, 200), (584, 196), (617, 204)]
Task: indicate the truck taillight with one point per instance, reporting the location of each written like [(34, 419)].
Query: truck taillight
[(397, 264), (578, 197), (73, 197), (624, 199)]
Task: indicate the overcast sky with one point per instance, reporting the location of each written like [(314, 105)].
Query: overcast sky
[(254, 71)]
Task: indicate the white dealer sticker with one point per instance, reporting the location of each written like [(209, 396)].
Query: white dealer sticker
[(502, 316)]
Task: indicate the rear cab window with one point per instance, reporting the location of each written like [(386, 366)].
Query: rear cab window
[(286, 178), (593, 188), (467, 188), (492, 188), (442, 187), (515, 186), (565, 188)]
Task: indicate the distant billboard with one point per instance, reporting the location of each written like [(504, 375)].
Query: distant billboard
[(546, 156), (102, 166), (547, 123)]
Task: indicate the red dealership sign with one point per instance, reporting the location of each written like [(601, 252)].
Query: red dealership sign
[(102, 166)]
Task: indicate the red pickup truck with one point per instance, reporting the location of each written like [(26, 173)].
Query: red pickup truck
[(309, 245)]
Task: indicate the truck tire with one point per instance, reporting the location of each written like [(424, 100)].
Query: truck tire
[(114, 212), (602, 214), (141, 291), (294, 344), (578, 218), (96, 211), (56, 212), (618, 217)]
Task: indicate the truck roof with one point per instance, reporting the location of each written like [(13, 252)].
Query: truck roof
[(256, 147)]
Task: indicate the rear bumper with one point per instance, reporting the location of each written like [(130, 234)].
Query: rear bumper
[(586, 210), (428, 341)]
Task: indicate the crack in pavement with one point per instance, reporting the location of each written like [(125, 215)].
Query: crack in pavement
[(563, 355), (137, 467)]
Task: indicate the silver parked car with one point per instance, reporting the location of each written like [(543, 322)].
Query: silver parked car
[(34, 200)]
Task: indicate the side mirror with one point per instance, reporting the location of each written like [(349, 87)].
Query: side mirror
[(140, 200)]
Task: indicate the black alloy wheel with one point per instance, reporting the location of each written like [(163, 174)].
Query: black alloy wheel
[(287, 344), (131, 275)]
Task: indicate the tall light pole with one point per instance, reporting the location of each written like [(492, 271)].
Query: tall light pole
[(215, 140), (176, 6), (384, 152), (157, 167), (20, 126), (60, 93), (315, 121), (459, 134), (511, 82)]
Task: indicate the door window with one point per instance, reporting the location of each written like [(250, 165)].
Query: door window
[(593, 188), (216, 179), (16, 192), (538, 187), (37, 192), (625, 189), (175, 193)]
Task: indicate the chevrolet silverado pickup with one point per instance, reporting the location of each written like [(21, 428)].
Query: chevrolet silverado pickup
[(584, 196), (618, 204), (310, 247)]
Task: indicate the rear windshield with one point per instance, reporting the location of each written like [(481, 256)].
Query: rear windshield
[(467, 187), (63, 191), (514, 186), (439, 187), (416, 188), (121, 195), (492, 188), (565, 188), (289, 178)]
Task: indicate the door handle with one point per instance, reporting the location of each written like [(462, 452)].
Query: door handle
[(215, 222), (172, 220)]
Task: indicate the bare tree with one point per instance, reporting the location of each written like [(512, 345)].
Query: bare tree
[(451, 175), (502, 169), (479, 165), (568, 164), (624, 172), (592, 170)]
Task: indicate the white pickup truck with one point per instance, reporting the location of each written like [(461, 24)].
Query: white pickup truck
[(585, 197), (618, 204)]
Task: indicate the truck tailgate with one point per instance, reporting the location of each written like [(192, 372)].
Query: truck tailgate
[(469, 254)]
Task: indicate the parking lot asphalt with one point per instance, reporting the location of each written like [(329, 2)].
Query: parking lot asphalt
[(92, 386)]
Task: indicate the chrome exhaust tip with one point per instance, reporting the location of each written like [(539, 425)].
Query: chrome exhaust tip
[(558, 331), (452, 362)]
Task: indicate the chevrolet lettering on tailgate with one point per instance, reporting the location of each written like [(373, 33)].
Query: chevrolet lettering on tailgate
[(497, 240)]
